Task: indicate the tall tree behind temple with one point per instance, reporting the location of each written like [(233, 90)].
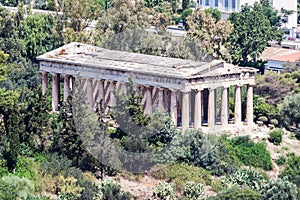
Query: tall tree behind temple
[(208, 33), (254, 27)]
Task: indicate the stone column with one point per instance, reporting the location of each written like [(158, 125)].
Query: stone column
[(173, 107), (148, 104), (66, 86), (238, 105), (101, 91), (44, 82), (224, 107), (89, 92), (113, 99), (211, 107), (185, 117), (249, 111), (161, 98), (55, 91), (198, 109), (124, 88)]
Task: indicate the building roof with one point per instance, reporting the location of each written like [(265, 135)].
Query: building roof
[(294, 57), (96, 57), (271, 52)]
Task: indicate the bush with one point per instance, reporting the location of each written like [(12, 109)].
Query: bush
[(13, 187), (111, 190), (274, 122), (292, 169), (276, 136), (179, 174), (26, 167), (264, 119), (164, 191), (193, 190), (235, 193), (246, 177), (218, 185), (251, 153), (281, 160), (207, 152), (279, 189)]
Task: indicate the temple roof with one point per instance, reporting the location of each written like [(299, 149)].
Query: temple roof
[(87, 55)]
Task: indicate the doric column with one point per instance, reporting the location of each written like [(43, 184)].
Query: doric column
[(198, 109), (161, 98), (238, 105), (211, 107), (224, 106), (148, 104), (124, 88), (173, 107), (101, 90), (113, 99), (44, 82), (249, 111), (185, 116), (89, 91), (66, 86), (55, 91)]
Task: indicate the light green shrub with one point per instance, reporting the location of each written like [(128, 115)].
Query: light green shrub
[(109, 189), (246, 177), (181, 173), (164, 191), (193, 191), (279, 189), (14, 187)]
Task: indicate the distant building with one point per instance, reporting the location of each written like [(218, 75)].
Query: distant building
[(229, 6), (279, 58)]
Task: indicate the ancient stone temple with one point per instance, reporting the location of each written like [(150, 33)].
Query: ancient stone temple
[(196, 94)]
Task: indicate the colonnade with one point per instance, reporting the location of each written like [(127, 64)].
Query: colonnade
[(187, 108)]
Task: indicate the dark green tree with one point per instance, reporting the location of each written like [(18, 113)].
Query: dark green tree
[(254, 27)]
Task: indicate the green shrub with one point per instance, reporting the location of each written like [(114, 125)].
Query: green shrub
[(235, 193), (26, 167), (251, 153), (108, 189), (193, 190), (179, 174), (13, 187), (276, 136), (279, 189), (281, 160), (292, 169), (208, 152), (218, 185), (274, 122), (3, 168), (246, 177), (264, 119), (164, 191)]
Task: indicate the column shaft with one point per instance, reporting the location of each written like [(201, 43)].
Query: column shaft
[(66, 86), (173, 107), (55, 91), (44, 82), (224, 106), (113, 99), (198, 109), (238, 106), (185, 117), (161, 98), (249, 114), (148, 103), (211, 108), (89, 91)]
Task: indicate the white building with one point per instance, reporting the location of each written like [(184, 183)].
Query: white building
[(228, 6)]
